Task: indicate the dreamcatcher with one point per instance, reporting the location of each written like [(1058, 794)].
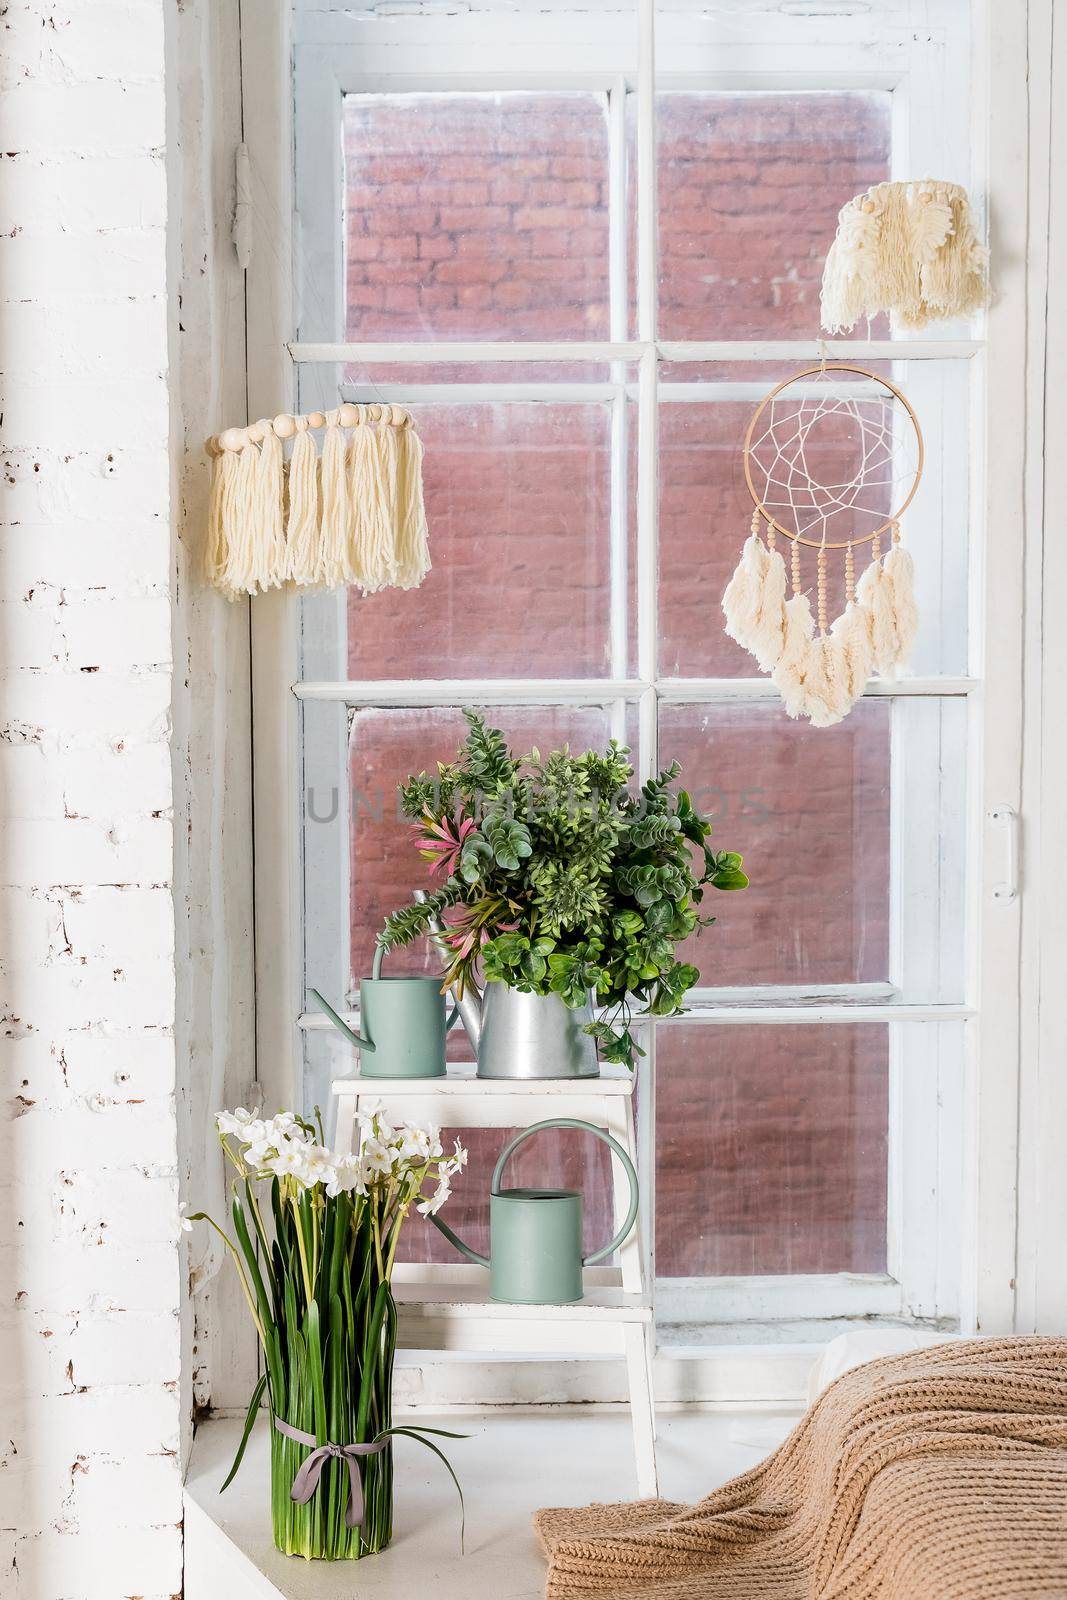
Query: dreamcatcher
[(832, 457)]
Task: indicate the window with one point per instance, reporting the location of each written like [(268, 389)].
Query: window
[(581, 276)]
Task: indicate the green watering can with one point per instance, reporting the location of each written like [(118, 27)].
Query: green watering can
[(404, 1022), (535, 1235)]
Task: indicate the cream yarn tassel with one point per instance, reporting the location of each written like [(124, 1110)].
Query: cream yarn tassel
[(379, 569), (304, 564), (219, 517), (412, 546), (354, 516), (241, 562), (271, 562), (337, 510), (907, 248)]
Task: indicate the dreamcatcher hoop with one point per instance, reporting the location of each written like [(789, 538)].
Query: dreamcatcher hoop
[(820, 662), (821, 371)]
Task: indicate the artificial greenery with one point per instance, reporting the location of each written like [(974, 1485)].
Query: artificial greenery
[(560, 878)]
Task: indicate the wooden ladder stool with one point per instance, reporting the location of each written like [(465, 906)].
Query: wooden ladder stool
[(444, 1306)]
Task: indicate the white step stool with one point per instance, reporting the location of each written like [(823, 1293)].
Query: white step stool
[(445, 1306)]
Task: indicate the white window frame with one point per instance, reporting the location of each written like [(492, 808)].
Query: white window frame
[(435, 51)]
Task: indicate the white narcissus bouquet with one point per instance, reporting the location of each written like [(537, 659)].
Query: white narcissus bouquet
[(315, 1266)]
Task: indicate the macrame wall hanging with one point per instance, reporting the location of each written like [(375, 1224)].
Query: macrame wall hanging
[(832, 458), (907, 248), (353, 515)]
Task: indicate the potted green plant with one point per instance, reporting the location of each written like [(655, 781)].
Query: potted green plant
[(563, 881)]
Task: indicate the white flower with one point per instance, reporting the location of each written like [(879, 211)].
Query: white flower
[(318, 1164), (428, 1208), (347, 1174), (185, 1224), (377, 1158), (460, 1158), (289, 1160), (240, 1124), (414, 1144), (284, 1122)]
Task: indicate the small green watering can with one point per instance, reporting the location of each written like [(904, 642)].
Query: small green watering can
[(535, 1235), (404, 1023)]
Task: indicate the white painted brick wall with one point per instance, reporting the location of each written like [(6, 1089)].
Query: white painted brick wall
[(90, 1492)]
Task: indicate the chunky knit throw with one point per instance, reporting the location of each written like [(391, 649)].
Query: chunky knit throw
[(936, 1475)]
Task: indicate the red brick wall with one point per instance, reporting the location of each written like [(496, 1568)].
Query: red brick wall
[(477, 217)]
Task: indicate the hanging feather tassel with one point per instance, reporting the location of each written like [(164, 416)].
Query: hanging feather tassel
[(906, 248), (792, 665), (899, 570), (768, 628), (303, 543), (852, 632), (412, 546), (826, 696), (849, 282), (744, 593), (955, 278), (875, 594)]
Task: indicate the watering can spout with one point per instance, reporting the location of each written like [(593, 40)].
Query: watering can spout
[(469, 1003)]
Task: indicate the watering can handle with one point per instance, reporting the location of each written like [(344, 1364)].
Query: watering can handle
[(598, 1133), (376, 972)]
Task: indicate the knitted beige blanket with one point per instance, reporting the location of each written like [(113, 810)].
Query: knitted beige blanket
[(936, 1475)]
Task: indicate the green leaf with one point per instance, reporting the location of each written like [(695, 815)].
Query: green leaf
[(476, 860), (250, 1419), (508, 839), (441, 1433)]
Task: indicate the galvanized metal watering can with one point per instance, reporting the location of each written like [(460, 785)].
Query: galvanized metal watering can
[(535, 1235), (519, 1035), (403, 1021)]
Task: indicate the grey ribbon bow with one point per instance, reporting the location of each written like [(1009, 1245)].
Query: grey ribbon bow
[(307, 1478)]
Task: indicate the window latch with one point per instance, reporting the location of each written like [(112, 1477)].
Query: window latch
[(1007, 890)]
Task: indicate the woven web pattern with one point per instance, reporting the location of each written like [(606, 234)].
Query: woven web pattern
[(832, 466)]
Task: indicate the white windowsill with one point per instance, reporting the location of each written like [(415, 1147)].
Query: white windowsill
[(509, 1465)]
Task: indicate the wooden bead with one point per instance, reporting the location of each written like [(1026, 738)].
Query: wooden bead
[(348, 415), (316, 420), (398, 416), (257, 431), (374, 413), (233, 439), (284, 426)]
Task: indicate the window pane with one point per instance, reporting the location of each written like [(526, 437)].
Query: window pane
[(749, 190), (809, 810), (518, 508), (476, 216), (771, 1149)]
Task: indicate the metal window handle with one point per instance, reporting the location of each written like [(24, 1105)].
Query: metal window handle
[(1007, 890)]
